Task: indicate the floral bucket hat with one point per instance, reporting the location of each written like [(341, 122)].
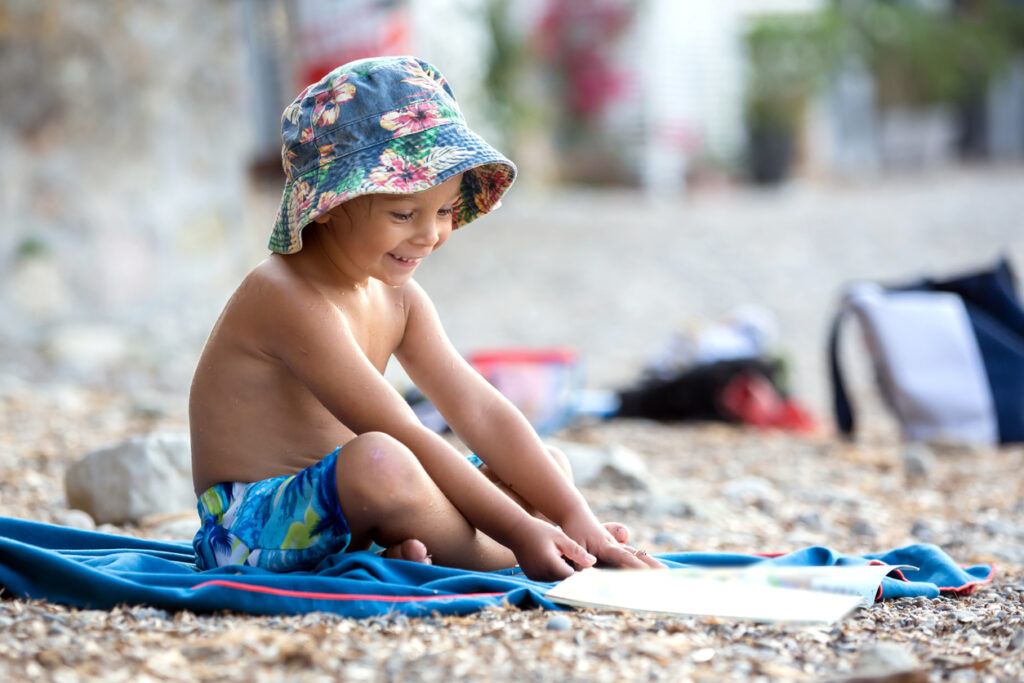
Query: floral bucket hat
[(384, 125)]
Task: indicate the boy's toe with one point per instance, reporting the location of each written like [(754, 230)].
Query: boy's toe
[(410, 550)]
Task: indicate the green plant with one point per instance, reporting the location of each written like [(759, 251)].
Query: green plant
[(504, 70), (920, 57), (789, 58), (30, 247)]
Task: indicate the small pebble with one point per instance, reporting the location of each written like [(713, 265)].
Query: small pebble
[(559, 622), (922, 531), (670, 540), (918, 460), (76, 519), (862, 528)]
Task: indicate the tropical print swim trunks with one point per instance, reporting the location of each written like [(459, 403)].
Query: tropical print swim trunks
[(286, 523)]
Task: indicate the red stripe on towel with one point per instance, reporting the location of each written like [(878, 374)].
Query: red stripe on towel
[(338, 596), (968, 588)]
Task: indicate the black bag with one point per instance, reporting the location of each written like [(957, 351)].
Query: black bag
[(696, 393)]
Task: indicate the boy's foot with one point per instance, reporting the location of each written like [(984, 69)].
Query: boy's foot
[(619, 532), (410, 550)]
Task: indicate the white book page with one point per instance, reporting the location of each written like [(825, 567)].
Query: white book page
[(765, 594)]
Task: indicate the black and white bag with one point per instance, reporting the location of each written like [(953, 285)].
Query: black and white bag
[(948, 356)]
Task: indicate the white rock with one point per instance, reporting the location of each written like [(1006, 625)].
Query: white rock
[(38, 287), (658, 505), (179, 529), (87, 347), (612, 465), (918, 460), (76, 519), (142, 476), (884, 658), (750, 491)]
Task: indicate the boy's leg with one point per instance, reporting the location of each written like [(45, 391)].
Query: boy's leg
[(618, 531), (387, 497)]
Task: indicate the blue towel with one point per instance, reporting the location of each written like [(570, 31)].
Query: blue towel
[(93, 570)]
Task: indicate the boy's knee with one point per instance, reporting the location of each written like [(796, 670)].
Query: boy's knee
[(376, 466), (562, 460)]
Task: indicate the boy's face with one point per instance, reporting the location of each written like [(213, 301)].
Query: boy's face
[(387, 236)]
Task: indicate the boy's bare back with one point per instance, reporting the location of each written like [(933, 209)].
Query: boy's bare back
[(251, 417)]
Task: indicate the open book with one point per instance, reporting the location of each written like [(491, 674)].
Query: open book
[(759, 593)]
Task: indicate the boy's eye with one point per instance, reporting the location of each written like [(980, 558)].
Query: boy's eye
[(399, 216), (446, 212)]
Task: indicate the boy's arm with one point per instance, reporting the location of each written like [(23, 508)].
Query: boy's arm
[(498, 432), (316, 343)]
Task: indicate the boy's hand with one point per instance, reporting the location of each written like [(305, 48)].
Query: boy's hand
[(544, 552), (596, 539)]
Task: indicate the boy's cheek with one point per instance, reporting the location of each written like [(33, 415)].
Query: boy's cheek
[(442, 239)]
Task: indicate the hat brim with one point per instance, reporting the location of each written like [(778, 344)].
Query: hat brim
[(403, 165)]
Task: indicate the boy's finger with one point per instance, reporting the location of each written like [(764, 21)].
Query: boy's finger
[(627, 557), (651, 562), (648, 560), (577, 554)]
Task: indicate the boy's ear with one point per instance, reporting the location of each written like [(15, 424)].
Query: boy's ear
[(323, 218)]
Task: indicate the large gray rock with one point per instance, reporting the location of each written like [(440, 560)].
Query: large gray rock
[(145, 475), (612, 465)]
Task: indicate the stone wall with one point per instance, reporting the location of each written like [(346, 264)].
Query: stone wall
[(125, 137)]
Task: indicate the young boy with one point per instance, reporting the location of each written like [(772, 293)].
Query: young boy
[(300, 448)]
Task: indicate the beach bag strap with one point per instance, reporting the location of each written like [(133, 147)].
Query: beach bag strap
[(841, 406)]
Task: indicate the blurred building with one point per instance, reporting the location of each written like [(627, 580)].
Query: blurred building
[(601, 91), (123, 134), (136, 137)]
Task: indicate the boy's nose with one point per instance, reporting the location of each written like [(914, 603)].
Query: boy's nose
[(428, 233)]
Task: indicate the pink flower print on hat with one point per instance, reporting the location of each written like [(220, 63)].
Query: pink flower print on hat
[(326, 201), (413, 119), (397, 173), (325, 111), (422, 76)]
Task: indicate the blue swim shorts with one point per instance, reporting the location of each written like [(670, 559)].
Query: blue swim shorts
[(286, 523)]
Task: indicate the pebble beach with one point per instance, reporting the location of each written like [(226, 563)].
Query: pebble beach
[(611, 275)]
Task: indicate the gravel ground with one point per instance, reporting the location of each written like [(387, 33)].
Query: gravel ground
[(612, 273), (711, 487)]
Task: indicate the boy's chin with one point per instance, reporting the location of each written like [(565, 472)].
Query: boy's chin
[(392, 280)]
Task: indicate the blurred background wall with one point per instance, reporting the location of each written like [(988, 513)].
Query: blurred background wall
[(139, 152)]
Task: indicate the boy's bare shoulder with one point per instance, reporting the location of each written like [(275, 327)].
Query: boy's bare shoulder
[(272, 302), (281, 300), (278, 292), (276, 278)]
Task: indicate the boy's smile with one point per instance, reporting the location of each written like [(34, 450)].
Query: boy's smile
[(385, 236)]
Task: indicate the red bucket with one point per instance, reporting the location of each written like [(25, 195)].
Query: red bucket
[(545, 384)]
